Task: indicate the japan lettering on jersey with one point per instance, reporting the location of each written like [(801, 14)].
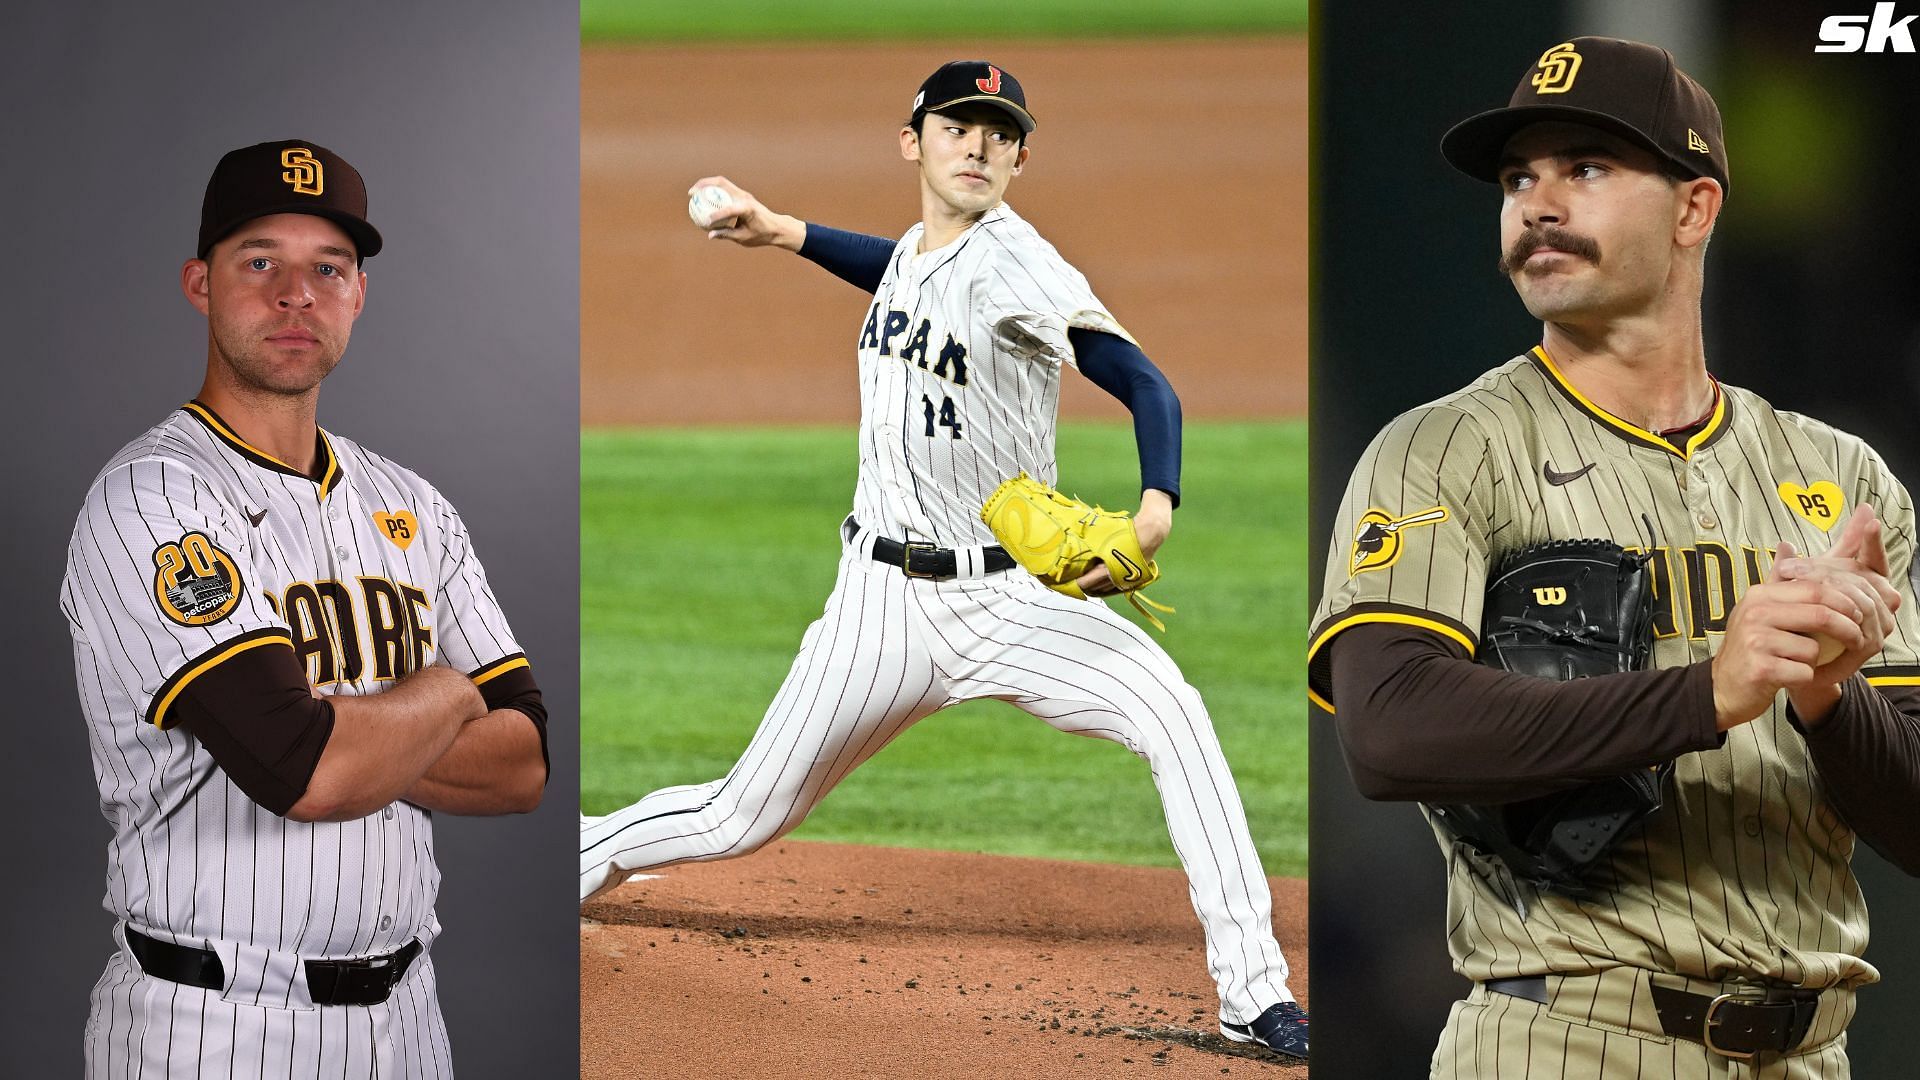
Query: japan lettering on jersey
[(194, 547), (960, 356)]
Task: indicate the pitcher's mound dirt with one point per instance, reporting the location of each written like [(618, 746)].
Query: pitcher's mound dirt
[(827, 960)]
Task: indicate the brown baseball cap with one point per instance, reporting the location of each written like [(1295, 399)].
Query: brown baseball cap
[(973, 80), (1630, 89), (292, 176)]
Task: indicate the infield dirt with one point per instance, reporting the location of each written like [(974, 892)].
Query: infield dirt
[(1174, 174), (821, 961)]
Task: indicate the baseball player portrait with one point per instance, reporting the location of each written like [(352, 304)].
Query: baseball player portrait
[(962, 574), (289, 661), (1640, 644)]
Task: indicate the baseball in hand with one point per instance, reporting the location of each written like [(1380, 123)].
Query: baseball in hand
[(704, 202), (1830, 649)]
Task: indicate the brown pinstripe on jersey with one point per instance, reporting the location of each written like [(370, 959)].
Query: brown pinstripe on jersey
[(1745, 875), (366, 573)]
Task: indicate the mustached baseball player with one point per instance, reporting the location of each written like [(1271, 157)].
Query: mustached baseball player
[(288, 658), (1723, 937), (960, 353)]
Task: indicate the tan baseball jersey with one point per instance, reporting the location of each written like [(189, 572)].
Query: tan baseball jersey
[(193, 548), (1744, 874)]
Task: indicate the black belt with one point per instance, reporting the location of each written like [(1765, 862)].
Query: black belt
[(366, 981), (927, 561), (1765, 1019)]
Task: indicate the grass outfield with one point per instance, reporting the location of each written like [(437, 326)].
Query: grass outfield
[(706, 552), (874, 20)]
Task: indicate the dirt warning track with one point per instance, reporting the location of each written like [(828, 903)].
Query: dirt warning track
[(1173, 174)]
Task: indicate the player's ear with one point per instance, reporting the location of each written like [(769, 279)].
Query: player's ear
[(1020, 159), (1697, 207), (909, 144), (194, 277), (360, 301)]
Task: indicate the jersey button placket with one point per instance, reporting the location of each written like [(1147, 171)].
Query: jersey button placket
[(1700, 494), (334, 501)]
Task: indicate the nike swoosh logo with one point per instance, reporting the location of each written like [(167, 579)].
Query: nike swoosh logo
[(256, 519), (1557, 478)]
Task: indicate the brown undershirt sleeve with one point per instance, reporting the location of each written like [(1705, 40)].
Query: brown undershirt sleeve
[(1420, 721), (257, 716), (515, 689), (1868, 754)]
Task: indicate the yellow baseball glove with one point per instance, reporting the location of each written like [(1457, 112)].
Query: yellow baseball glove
[(1058, 539)]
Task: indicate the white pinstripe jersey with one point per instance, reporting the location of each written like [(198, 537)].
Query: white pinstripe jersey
[(193, 547), (960, 357), (1745, 872)]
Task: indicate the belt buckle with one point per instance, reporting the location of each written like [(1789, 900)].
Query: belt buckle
[(906, 558), (1707, 1024)]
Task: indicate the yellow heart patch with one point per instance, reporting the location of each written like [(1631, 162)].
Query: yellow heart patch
[(1819, 503), (401, 528)]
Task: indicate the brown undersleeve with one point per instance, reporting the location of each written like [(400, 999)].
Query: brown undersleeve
[(1868, 754), (1420, 721), (516, 689), (257, 716)]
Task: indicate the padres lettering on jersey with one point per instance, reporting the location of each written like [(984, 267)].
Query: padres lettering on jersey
[(960, 358), (192, 548), (1520, 456)]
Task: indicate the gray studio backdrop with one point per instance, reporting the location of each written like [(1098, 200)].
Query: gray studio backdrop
[(1812, 299), (464, 120)]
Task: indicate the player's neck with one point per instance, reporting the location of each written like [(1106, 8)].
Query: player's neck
[(941, 224), (279, 425), (1650, 375)]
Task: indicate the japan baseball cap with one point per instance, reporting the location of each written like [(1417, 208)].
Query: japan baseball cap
[(286, 177), (973, 80), (1632, 90)]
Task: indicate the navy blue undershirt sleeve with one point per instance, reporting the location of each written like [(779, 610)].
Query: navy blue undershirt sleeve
[(1117, 366), (855, 258)]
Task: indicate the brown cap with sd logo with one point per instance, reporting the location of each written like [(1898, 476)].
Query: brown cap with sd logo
[(1632, 90), (286, 177), (973, 80)]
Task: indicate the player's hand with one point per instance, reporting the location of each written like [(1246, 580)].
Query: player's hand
[(1151, 524), (753, 224), (1769, 645), (1857, 565)]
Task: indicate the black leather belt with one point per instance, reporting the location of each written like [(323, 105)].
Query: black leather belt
[(927, 561), (1760, 1019), (367, 981)]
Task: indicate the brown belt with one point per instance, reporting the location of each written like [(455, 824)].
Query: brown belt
[(1759, 1019)]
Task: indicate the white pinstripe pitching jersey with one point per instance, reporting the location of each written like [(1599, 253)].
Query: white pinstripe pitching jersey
[(193, 547), (960, 358), (1745, 872)]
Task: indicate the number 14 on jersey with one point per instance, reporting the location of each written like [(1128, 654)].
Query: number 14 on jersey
[(944, 417)]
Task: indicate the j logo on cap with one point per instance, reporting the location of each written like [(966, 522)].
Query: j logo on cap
[(303, 170), (1558, 66)]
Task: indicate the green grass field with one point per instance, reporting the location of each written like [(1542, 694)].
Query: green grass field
[(872, 20), (705, 553)]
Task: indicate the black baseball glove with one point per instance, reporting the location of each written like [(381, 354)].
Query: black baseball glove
[(1562, 610)]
